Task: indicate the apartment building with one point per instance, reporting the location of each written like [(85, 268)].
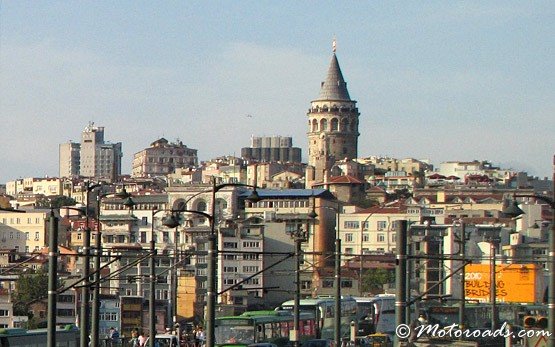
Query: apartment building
[(93, 157), (24, 232), (163, 158)]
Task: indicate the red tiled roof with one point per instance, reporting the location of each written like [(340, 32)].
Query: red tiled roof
[(347, 179), (63, 250)]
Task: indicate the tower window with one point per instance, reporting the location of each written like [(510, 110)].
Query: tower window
[(334, 124)]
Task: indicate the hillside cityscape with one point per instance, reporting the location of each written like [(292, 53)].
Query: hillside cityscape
[(123, 240)]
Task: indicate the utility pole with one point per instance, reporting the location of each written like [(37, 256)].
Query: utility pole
[(462, 248), (400, 273), (52, 278)]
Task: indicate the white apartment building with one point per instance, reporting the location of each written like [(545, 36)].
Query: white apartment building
[(241, 246), (372, 230), (24, 232)]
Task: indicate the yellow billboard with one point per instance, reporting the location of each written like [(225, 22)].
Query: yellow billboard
[(514, 282)]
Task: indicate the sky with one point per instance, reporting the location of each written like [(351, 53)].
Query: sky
[(435, 80)]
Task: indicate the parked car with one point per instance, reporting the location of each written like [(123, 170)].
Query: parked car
[(319, 343)]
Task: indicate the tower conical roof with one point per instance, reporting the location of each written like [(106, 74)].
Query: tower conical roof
[(334, 87)]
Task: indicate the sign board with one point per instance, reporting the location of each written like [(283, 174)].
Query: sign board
[(515, 282)]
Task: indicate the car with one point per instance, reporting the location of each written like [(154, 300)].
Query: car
[(318, 343)]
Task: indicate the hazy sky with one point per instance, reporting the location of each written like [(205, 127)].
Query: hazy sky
[(445, 80)]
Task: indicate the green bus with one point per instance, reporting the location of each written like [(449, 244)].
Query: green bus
[(262, 327), (323, 308), (67, 336)]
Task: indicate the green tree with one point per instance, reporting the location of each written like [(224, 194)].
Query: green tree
[(373, 280), (55, 201), (28, 289)]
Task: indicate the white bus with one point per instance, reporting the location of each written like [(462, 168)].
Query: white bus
[(376, 314)]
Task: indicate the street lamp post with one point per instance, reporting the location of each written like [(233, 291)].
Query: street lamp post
[(299, 236), (337, 330), (95, 314), (462, 293), (84, 321), (212, 259)]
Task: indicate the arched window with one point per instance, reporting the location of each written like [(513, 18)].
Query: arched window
[(323, 125), (179, 204), (201, 206), (334, 124), (314, 125)]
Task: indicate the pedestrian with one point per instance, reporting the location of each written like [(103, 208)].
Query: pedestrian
[(416, 328), (200, 337), (134, 338), (141, 339)]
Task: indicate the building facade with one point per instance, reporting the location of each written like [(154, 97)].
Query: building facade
[(162, 158), (272, 149), (93, 157), (70, 159)]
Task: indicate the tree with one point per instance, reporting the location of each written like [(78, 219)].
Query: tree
[(373, 280), (28, 289), (55, 201)]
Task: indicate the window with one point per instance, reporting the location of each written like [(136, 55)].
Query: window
[(253, 281), (36, 236), (351, 224), (251, 256), (4, 313), (348, 250), (365, 237), (201, 206), (230, 269), (381, 237), (229, 281), (230, 244), (144, 221), (251, 244), (327, 283), (382, 225), (346, 283), (230, 257), (250, 269), (348, 237)]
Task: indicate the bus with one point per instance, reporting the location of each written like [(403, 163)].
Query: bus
[(323, 309), (268, 326), (375, 314), (67, 336)]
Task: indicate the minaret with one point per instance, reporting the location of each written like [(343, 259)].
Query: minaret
[(332, 125)]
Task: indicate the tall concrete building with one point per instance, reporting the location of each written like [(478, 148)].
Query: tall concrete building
[(332, 125), (271, 149), (93, 157), (70, 158)]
